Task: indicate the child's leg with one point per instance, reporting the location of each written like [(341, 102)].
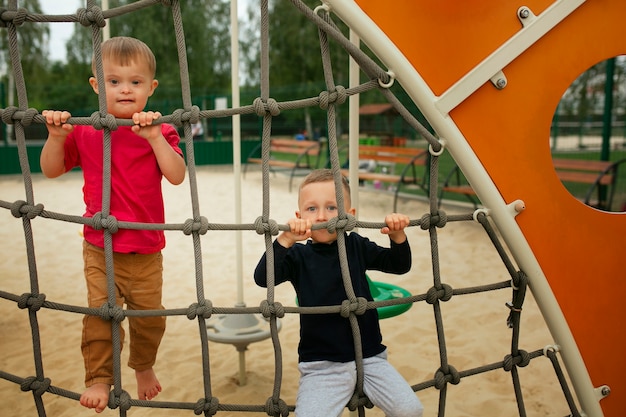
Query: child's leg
[(143, 291), (388, 390), (96, 338), (325, 388)]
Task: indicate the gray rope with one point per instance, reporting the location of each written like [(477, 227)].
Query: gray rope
[(202, 308)]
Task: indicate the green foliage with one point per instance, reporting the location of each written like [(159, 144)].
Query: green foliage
[(32, 39), (207, 42)]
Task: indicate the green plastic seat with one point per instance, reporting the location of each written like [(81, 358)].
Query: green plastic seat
[(382, 291)]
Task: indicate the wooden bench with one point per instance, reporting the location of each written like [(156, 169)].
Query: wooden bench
[(599, 176), (289, 154), (403, 167), (456, 183)]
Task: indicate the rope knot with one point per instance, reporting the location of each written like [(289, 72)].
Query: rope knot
[(356, 401), (205, 310), (346, 223), (268, 310), (444, 294), (276, 407), (203, 406), (177, 117), (115, 313), (334, 97), (359, 307), (122, 401), (519, 280), (99, 122), (194, 114), (201, 226), (98, 222), (29, 116), (38, 386), (8, 114), (262, 228), (521, 359), (263, 109), (92, 15), (30, 301), (433, 220), (442, 378), (110, 223), (21, 207), (20, 16)]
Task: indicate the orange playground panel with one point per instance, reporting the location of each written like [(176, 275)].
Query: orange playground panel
[(575, 245)]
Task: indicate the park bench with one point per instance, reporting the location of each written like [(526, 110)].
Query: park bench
[(288, 154), (399, 167), (599, 176)]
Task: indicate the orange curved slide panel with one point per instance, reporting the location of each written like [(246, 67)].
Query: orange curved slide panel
[(577, 247)]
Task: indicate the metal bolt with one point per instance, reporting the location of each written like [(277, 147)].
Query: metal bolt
[(606, 391), (501, 83), (524, 13)]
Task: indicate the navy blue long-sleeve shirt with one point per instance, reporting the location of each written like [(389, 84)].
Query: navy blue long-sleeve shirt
[(314, 271)]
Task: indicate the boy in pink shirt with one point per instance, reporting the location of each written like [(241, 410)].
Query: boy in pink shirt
[(140, 156)]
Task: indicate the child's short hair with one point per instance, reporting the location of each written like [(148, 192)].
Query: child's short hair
[(323, 175), (125, 50)]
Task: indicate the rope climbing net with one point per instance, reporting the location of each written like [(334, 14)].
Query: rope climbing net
[(202, 309)]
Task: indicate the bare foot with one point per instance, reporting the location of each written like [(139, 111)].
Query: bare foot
[(148, 385), (96, 396)]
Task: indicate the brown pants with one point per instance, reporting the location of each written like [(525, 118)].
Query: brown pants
[(138, 283)]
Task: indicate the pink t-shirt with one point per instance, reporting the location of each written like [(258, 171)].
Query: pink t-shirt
[(136, 193)]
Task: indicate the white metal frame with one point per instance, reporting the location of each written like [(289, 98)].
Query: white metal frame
[(436, 109)]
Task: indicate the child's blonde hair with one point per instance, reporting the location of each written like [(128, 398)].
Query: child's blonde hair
[(323, 175), (124, 50)]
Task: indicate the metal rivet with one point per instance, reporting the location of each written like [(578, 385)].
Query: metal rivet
[(524, 13), (501, 83)]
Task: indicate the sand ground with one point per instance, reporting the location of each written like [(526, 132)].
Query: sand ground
[(475, 325)]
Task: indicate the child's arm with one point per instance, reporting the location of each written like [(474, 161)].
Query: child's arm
[(396, 223), (300, 229), (170, 162), (52, 158)]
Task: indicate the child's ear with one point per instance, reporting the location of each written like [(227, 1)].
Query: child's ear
[(94, 84), (352, 211), (153, 86), (298, 214)]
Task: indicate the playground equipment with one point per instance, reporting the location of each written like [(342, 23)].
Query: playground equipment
[(487, 77)]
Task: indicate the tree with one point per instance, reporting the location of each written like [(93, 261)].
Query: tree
[(32, 41), (296, 69), (207, 41)]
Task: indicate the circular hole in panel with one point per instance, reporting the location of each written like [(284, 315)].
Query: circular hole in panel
[(588, 136)]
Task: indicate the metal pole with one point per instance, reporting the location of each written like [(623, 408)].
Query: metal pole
[(106, 30), (234, 57), (607, 118)]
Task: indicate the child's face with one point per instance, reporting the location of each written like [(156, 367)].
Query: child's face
[(317, 202), (127, 87)]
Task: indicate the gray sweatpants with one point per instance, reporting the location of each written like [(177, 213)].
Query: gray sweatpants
[(326, 387)]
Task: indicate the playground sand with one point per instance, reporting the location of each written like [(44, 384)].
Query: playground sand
[(475, 327)]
